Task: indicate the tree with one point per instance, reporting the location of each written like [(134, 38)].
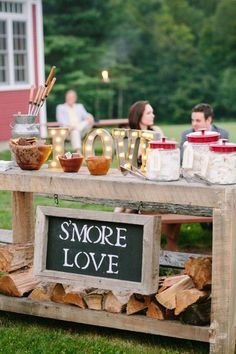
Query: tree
[(173, 53)]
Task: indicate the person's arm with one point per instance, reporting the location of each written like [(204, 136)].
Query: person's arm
[(85, 116), (157, 129), (183, 139), (226, 135)]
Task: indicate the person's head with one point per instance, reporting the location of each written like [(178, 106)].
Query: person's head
[(71, 97), (141, 115), (202, 116)]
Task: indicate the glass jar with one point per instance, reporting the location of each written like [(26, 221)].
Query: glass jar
[(221, 163), (195, 151), (163, 160), (24, 126)]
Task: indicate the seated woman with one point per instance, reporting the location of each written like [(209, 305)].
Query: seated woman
[(141, 116)]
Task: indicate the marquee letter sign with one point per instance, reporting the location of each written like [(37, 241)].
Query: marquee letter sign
[(106, 139), (131, 143), (127, 144), (58, 136)]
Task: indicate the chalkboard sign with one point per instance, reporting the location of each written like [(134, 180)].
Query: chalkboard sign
[(97, 249)]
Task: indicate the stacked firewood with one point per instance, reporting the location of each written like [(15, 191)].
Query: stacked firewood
[(185, 296)]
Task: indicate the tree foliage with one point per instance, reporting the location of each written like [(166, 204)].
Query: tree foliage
[(173, 53)]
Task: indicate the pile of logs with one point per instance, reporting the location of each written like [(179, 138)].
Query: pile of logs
[(15, 256), (185, 296)]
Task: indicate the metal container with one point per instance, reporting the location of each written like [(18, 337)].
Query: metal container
[(24, 126)]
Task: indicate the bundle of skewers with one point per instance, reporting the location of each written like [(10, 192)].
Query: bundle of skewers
[(39, 95)]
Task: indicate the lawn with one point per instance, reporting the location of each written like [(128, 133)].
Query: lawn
[(174, 131), (25, 334)]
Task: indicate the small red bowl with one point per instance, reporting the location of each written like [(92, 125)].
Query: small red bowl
[(98, 165), (72, 164)]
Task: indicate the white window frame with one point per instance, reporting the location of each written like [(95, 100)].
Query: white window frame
[(9, 17)]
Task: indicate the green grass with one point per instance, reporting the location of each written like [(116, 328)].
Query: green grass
[(22, 334), (174, 131)]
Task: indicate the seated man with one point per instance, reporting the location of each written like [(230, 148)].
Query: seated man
[(74, 116), (202, 117)]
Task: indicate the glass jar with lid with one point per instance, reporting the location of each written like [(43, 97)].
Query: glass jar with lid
[(221, 163), (195, 151), (163, 160)]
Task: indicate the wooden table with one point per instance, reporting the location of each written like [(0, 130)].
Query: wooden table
[(115, 189), (118, 122)]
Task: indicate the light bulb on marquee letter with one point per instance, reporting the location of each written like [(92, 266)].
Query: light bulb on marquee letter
[(127, 145), (106, 139), (58, 136), (146, 136)]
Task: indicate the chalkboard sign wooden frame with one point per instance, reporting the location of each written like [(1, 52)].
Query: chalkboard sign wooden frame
[(105, 250)]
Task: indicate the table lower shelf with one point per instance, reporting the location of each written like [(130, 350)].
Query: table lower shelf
[(135, 323)]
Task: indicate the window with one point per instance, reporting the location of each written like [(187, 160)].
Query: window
[(3, 53), (11, 6), (19, 50), (13, 44)]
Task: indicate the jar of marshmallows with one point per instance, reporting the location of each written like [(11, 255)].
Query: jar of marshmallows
[(163, 160), (195, 151), (221, 163)]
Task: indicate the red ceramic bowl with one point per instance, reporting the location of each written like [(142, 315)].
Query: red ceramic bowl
[(98, 165), (71, 165)]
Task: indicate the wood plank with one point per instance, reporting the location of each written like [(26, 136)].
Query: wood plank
[(99, 124), (111, 122), (82, 184), (183, 219), (175, 259), (137, 323), (146, 207), (22, 217), (223, 277)]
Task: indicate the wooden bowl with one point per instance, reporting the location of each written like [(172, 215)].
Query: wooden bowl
[(72, 164), (98, 165), (30, 157)]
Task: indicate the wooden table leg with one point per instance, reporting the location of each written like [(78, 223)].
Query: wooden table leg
[(222, 329), (22, 217)]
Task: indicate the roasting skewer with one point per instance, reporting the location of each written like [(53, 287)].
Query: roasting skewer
[(42, 92), (31, 95)]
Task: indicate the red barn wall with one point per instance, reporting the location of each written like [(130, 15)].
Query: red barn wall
[(11, 102)]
